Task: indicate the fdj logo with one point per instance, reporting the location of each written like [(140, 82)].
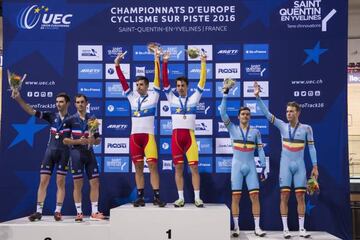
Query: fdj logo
[(32, 15), (116, 145)]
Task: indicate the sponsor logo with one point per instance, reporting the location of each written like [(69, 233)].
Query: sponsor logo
[(204, 109), (111, 52), (95, 107), (256, 51), (207, 93), (90, 89), (262, 124), (306, 14), (207, 48), (165, 127), (114, 90), (39, 94), (203, 127), (144, 70), (254, 108), (116, 164), (194, 71), (223, 164), (97, 148), (176, 70), (227, 70), (249, 89), (110, 71), (233, 93), (205, 165), (232, 107), (256, 70), (146, 167), (165, 109), (223, 146), (177, 52), (43, 17), (90, 71), (141, 53), (228, 52), (165, 146), (117, 127), (167, 165), (221, 127), (116, 145), (205, 145), (117, 108), (90, 53)]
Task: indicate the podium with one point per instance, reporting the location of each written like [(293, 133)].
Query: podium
[(143, 223), (153, 223)]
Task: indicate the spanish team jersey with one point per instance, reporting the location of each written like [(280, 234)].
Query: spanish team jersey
[(143, 108), (58, 128), (183, 109), (78, 128)]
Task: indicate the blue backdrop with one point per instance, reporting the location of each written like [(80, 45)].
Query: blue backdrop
[(295, 49)]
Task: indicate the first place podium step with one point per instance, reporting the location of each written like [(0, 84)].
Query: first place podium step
[(154, 223)]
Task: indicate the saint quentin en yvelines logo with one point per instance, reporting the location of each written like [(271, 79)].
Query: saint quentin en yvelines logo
[(42, 17)]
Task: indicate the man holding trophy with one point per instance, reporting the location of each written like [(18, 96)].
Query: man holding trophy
[(56, 153), (142, 139), (245, 139), (295, 136), (84, 132), (183, 115)]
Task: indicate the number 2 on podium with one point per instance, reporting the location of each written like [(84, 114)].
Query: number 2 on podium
[(169, 233)]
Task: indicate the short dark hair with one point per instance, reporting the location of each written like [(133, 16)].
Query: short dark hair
[(295, 105), (145, 79), (243, 109), (182, 79), (64, 95), (79, 96)]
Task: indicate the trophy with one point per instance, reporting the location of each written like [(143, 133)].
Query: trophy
[(229, 83), (153, 46), (195, 52), (15, 81)]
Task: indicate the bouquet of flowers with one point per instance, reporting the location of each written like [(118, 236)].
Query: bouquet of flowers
[(312, 186), (15, 81), (93, 127)]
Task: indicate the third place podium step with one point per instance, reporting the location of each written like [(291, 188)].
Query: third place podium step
[(153, 223)]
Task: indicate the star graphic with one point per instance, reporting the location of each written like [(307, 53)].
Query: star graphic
[(314, 54), (46, 9), (26, 131), (309, 207), (36, 10), (178, 110)]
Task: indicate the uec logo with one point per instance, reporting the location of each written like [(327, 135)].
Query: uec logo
[(34, 14)]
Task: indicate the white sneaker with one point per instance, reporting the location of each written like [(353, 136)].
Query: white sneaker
[(286, 234), (260, 233), (199, 203), (303, 233), (179, 203), (235, 232)]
